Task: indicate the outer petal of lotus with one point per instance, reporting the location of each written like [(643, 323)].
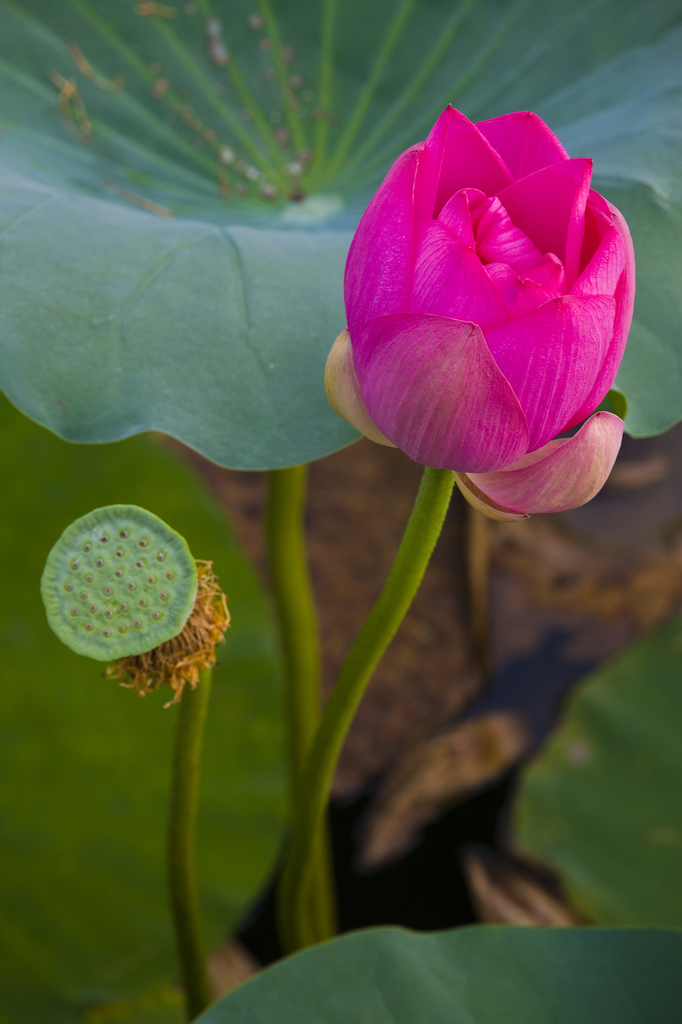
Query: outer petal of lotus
[(343, 390), (431, 385), (551, 357), (610, 271), (625, 297), (561, 475), (524, 142), (378, 277), (482, 503)]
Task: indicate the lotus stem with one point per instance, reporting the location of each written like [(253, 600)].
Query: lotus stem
[(419, 540), (181, 845), (316, 917)]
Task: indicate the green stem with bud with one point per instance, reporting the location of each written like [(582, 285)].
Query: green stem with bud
[(419, 540), (316, 916), (182, 875)]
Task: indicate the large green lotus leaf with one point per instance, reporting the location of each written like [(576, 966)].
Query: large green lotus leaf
[(481, 975), (84, 764), (628, 117), (603, 801), (133, 296)]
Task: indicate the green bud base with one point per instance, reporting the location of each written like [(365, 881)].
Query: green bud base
[(118, 582)]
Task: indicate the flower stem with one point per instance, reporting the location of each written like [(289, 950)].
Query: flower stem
[(403, 582), (181, 845), (298, 625)]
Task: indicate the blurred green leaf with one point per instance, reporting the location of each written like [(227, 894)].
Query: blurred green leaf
[(603, 801), (162, 1005), (84, 765), (627, 115), (486, 975), (214, 325)]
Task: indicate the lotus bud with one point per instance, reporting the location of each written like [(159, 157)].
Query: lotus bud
[(489, 292)]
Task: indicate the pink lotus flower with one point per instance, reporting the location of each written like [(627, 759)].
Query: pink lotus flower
[(489, 293)]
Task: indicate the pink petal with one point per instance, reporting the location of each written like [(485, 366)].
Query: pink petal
[(598, 202), (343, 390), (597, 222), (498, 240), (549, 207), (432, 387), (552, 356), (602, 273), (562, 475), (625, 298), (548, 274), (540, 285), (612, 271), (506, 280), (482, 503), (457, 156), (456, 217), (449, 279), (524, 142), (378, 275), (522, 293), (626, 302)]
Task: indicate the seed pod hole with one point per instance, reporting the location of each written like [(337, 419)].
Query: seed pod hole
[(107, 591), (87, 546), (99, 562), (119, 573), (88, 626)]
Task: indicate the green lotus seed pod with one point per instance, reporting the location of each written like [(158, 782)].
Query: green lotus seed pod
[(119, 581)]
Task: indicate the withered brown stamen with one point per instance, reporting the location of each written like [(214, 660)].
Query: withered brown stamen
[(180, 660)]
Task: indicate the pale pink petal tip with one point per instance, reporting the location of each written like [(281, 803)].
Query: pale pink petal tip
[(482, 503), (343, 390), (562, 474)]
